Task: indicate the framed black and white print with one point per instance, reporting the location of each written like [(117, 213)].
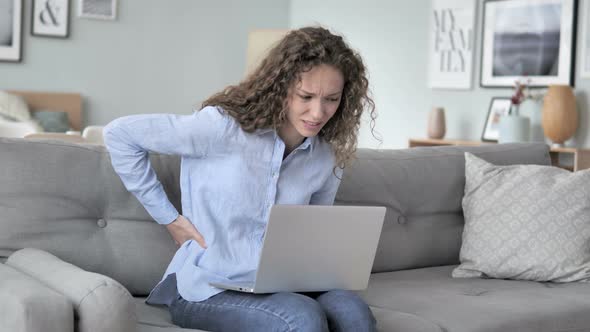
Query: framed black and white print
[(585, 17), (98, 9), (50, 18), (11, 30), (499, 106), (528, 38)]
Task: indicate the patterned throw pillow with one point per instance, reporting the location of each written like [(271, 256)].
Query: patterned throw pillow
[(525, 222)]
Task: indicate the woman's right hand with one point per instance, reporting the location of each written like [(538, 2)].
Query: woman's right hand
[(183, 230)]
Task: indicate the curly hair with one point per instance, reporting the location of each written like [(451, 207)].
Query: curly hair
[(260, 100)]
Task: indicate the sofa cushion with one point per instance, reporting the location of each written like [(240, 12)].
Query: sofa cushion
[(18, 129), (525, 222), (83, 214), (155, 315), (14, 107), (101, 303), (26, 305), (155, 318), (422, 189), (474, 304), (393, 321)]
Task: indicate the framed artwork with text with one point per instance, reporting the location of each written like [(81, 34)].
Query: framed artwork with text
[(451, 44), (50, 18)]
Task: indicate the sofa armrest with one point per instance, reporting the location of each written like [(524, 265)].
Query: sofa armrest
[(26, 305), (101, 304)]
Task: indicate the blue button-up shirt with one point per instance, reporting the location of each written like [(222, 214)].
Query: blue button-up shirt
[(229, 181)]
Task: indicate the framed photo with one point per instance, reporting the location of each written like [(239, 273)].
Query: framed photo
[(528, 38), (451, 44), (98, 9), (585, 71), (50, 18), (11, 16), (499, 106)]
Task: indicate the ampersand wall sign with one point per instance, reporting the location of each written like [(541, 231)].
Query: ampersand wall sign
[(50, 18)]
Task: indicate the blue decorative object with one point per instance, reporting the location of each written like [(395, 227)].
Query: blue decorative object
[(52, 121)]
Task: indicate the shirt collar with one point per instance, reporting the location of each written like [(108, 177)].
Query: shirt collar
[(308, 142), (263, 131)]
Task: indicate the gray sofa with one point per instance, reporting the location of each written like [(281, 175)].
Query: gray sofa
[(65, 199)]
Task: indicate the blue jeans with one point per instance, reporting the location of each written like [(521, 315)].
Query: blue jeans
[(336, 310)]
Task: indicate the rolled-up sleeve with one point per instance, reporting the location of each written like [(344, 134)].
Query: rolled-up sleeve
[(129, 140)]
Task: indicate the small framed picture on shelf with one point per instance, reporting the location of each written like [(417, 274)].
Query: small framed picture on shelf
[(499, 106), (98, 9), (535, 39), (50, 18), (11, 30)]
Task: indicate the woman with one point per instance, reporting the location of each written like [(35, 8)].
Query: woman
[(282, 136)]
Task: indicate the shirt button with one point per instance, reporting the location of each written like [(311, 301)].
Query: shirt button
[(101, 223)]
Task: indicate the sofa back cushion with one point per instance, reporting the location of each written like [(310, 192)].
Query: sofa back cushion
[(66, 199), (422, 189)]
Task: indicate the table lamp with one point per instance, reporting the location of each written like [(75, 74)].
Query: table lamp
[(259, 43)]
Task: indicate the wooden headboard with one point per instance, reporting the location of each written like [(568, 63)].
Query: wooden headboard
[(70, 103)]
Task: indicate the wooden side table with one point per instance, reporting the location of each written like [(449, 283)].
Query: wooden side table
[(581, 157)]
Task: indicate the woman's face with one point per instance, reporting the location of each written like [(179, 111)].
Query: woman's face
[(312, 102)]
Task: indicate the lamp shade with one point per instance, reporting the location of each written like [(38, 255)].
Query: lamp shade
[(560, 117), (259, 43)]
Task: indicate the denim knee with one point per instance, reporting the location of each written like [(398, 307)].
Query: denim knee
[(285, 312), (346, 311), (301, 312)]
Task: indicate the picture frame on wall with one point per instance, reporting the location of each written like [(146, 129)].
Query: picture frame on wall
[(451, 44), (50, 18), (585, 16), (98, 9), (528, 38), (11, 18), (499, 106)]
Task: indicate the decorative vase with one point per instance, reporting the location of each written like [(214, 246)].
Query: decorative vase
[(514, 128), (531, 108), (560, 117), (436, 123)]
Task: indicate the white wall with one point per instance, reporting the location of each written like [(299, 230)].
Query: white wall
[(392, 37), (158, 56), (164, 56)]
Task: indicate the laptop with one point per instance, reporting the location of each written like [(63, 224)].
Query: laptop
[(310, 248)]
